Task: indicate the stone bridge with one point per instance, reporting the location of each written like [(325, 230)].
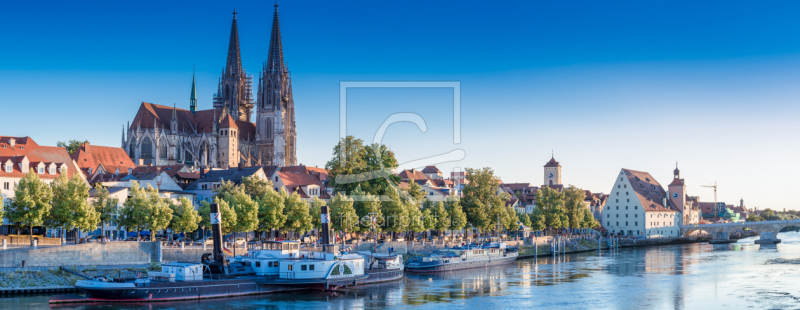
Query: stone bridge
[(767, 230)]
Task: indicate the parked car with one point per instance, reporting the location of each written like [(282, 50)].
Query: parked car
[(239, 241), (92, 239)]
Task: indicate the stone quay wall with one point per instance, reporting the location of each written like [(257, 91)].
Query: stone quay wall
[(87, 254)]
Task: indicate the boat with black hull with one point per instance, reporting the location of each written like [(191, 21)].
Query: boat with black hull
[(269, 267), (462, 258)]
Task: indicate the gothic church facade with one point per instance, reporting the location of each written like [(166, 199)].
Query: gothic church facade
[(223, 136)]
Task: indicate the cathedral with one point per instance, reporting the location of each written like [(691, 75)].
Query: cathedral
[(223, 136)]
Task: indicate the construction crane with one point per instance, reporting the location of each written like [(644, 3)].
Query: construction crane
[(716, 212)]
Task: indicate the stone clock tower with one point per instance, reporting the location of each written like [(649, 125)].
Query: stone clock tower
[(552, 172)]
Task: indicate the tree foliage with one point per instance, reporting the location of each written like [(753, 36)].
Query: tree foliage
[(256, 187), (315, 211), (270, 210), (31, 203), (158, 213), (537, 220), (484, 205), (229, 216), (104, 205), (458, 219), (72, 145), (245, 208), (184, 217), (343, 215), (551, 203), (355, 164), (298, 218)]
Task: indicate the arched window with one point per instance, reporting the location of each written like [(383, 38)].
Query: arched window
[(147, 150), (178, 152), (132, 149), (162, 150), (189, 159), (227, 92)]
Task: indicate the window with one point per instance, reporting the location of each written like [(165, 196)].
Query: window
[(7, 185), (635, 223), (41, 170), (258, 264), (431, 194), (629, 200), (608, 223), (277, 264), (626, 193), (626, 207), (626, 215), (609, 215), (311, 267), (52, 170), (289, 267), (636, 207), (635, 215), (626, 223), (617, 193), (276, 178), (617, 200), (303, 267), (617, 223), (619, 186), (269, 264), (617, 215), (8, 168)]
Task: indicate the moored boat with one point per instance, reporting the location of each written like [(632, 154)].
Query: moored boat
[(462, 258)]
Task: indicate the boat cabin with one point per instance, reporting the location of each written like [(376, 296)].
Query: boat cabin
[(180, 272)]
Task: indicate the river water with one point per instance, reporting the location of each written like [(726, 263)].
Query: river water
[(694, 276)]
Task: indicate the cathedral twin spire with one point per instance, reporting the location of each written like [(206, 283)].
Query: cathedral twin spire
[(275, 56)]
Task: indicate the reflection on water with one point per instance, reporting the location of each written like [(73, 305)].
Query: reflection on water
[(696, 276)]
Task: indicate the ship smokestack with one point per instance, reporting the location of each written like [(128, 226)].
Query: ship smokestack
[(216, 229), (325, 220)]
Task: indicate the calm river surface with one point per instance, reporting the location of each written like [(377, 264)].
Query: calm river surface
[(696, 276)]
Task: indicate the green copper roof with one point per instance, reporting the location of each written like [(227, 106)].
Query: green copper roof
[(194, 90)]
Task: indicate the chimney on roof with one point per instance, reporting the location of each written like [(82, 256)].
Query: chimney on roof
[(12, 142)]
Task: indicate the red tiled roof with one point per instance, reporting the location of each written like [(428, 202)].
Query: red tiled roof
[(293, 180), (431, 169), (552, 163), (413, 174), (676, 181), (150, 114), (171, 170), (647, 190), (189, 175), (91, 156), (26, 147)]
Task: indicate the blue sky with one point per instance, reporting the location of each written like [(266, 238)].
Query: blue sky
[(606, 85)]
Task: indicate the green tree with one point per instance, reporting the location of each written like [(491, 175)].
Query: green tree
[(524, 219), (355, 164), (768, 214), (297, 217), (394, 211), (343, 215), (458, 219), (158, 213), (204, 211), (184, 217), (104, 205), (255, 186), (482, 202), (270, 210), (225, 188), (588, 219), (551, 202), (537, 220), (31, 203), (574, 205), (416, 217), (754, 218), (246, 211), (72, 146), (135, 209), (441, 218), (415, 192), (367, 207)]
